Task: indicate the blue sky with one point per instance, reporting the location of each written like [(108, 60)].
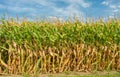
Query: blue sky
[(60, 8)]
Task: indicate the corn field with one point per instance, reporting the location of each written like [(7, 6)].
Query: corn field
[(46, 47)]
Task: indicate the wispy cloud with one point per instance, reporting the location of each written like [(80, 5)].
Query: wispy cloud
[(68, 11), (59, 8), (73, 8), (1, 6), (46, 7), (79, 2), (105, 3), (21, 10), (113, 7)]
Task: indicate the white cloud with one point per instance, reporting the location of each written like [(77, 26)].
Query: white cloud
[(68, 11), (20, 10), (51, 2), (116, 10), (105, 3), (1, 6), (118, 6), (78, 2), (113, 5), (49, 6), (72, 8), (45, 2)]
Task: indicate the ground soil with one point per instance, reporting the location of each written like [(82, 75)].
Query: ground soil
[(68, 74)]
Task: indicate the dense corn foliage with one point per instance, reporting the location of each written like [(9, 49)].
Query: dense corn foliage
[(46, 47)]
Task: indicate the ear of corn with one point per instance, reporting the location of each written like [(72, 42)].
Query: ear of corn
[(46, 47)]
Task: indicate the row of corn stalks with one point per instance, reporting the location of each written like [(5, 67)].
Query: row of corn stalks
[(46, 47)]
